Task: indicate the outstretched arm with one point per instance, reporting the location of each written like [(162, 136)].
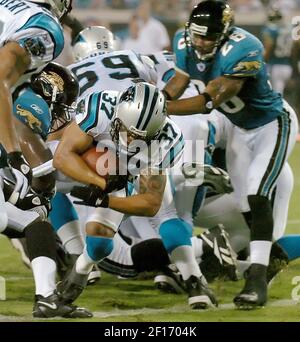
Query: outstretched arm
[(147, 202), (218, 91)]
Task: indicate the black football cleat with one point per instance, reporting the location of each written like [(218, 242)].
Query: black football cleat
[(278, 261), (255, 291), (200, 296), (72, 286), (170, 280), (218, 259), (51, 306)]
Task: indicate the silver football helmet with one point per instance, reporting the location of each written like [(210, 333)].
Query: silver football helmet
[(93, 40), (57, 7), (141, 111)]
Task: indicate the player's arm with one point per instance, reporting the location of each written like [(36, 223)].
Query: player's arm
[(37, 154), (67, 157), (14, 63), (177, 85), (217, 91), (147, 202)]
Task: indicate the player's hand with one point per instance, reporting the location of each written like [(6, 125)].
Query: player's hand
[(217, 179), (115, 182), (91, 196), (22, 174), (35, 202)]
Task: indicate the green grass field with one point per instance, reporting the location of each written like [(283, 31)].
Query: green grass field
[(115, 300)]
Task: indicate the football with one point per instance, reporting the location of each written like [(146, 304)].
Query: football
[(103, 162)]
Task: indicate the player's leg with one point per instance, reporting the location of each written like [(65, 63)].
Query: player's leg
[(271, 146), (176, 236), (101, 227)]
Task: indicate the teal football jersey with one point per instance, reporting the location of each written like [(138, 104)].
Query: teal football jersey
[(240, 56)]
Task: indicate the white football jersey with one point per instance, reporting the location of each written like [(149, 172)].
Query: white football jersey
[(113, 71), (35, 29), (164, 62), (94, 117)]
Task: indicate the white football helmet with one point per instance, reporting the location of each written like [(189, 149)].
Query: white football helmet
[(142, 111), (93, 40), (57, 7)]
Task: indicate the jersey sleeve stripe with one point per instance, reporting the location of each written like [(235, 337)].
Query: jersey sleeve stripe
[(146, 99), (91, 120), (46, 23)]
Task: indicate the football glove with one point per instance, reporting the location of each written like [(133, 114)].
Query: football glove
[(115, 182), (21, 172), (217, 180), (35, 202), (91, 196)]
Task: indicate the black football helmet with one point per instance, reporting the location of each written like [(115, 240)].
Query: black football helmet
[(59, 87), (212, 20)]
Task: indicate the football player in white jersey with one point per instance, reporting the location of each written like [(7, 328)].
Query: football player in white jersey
[(30, 37), (99, 67), (111, 118)]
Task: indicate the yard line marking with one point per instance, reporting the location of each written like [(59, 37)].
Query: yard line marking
[(181, 309), (293, 222), (175, 309)]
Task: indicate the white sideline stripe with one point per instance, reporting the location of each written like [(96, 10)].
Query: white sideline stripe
[(183, 308), (175, 309), (294, 222), (17, 278)]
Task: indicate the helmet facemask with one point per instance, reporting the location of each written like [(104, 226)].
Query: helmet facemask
[(127, 139), (194, 30)]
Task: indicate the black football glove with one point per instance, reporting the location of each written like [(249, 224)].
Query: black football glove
[(21, 172), (91, 196), (116, 182), (217, 180), (35, 202)]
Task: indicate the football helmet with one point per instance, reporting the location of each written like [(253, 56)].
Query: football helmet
[(59, 87), (211, 20), (141, 111), (93, 40), (58, 7)]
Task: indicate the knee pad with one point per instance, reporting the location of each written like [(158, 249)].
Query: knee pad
[(175, 233), (62, 211), (149, 255), (98, 247)]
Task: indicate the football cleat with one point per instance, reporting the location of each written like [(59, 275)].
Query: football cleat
[(200, 296), (254, 293), (51, 306), (278, 261), (217, 251), (72, 286), (170, 280), (94, 276)]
